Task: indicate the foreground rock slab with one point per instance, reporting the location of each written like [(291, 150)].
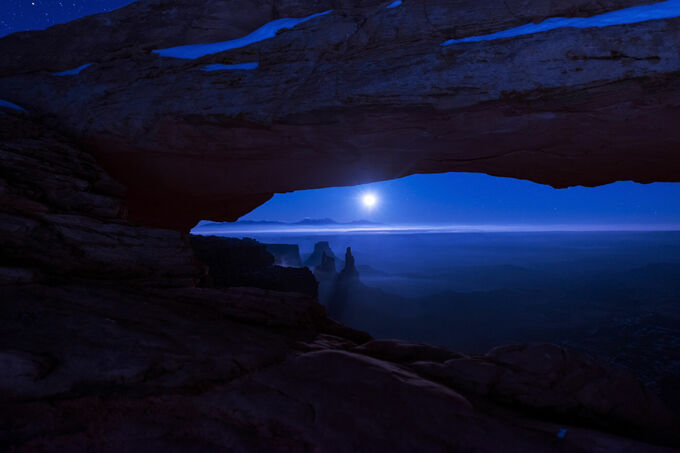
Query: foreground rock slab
[(560, 383), (111, 370)]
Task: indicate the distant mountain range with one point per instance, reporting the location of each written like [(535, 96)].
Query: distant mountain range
[(307, 221)]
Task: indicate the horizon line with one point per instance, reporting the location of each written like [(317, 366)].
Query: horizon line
[(233, 228)]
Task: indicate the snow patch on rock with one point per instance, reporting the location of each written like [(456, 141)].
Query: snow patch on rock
[(268, 30), (635, 14), (74, 71), (10, 105)]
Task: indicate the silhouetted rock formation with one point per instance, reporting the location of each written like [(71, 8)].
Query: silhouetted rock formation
[(554, 107), (287, 255), (325, 271), (315, 259), (233, 256), (344, 286), (325, 274), (349, 273), (246, 262)]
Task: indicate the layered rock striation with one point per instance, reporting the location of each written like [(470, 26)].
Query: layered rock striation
[(63, 217)]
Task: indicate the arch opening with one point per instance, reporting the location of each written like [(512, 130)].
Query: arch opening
[(469, 261)]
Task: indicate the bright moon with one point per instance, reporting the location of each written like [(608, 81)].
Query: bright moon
[(369, 200)]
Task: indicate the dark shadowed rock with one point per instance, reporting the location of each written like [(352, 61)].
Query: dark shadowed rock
[(325, 271), (232, 255), (316, 258), (62, 216), (246, 262), (560, 382), (19, 370), (404, 352), (343, 287), (349, 272), (324, 342)]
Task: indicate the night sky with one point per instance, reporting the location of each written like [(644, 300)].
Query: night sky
[(20, 15), (421, 199), (478, 199)]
